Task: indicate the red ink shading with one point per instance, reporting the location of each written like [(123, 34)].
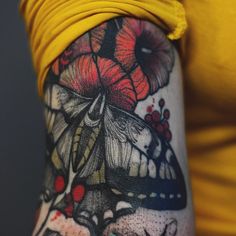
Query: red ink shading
[(166, 125), (68, 198), (68, 52), (159, 128), (86, 78), (149, 70), (149, 109), (78, 193), (59, 184), (166, 114), (69, 205), (55, 67), (156, 116), (148, 118), (140, 83), (56, 215), (69, 210), (162, 103)]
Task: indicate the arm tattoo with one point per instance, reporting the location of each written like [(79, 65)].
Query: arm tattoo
[(105, 160)]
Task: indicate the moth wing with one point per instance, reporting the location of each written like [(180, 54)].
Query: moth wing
[(49, 232), (64, 103), (141, 165), (64, 110)]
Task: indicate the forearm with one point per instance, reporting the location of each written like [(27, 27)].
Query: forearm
[(116, 157)]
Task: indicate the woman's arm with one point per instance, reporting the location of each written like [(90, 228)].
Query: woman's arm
[(116, 156)]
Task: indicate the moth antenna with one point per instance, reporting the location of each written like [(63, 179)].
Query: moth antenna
[(93, 117), (91, 109), (102, 104)]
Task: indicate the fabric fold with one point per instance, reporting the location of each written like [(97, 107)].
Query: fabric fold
[(52, 25)]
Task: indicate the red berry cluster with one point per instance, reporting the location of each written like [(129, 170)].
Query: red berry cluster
[(75, 196), (159, 121)]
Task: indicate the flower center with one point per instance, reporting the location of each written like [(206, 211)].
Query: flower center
[(146, 50)]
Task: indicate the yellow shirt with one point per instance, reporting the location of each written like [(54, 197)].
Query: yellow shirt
[(209, 62), (209, 57)]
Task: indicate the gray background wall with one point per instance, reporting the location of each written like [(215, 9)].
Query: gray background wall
[(21, 127)]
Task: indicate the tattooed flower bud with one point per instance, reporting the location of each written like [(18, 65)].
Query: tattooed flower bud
[(166, 114), (148, 118), (162, 103), (156, 116), (159, 128), (166, 125)]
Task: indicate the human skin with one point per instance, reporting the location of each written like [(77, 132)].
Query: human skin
[(116, 155)]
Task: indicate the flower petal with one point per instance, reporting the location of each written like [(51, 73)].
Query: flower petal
[(117, 84), (97, 36), (56, 67), (140, 43), (122, 95), (140, 83), (125, 44), (82, 76), (81, 46), (110, 71), (158, 64)]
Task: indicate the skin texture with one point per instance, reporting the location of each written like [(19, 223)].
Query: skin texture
[(116, 159)]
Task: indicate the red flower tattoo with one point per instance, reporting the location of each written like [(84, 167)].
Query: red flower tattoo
[(88, 78), (146, 54), (84, 45)]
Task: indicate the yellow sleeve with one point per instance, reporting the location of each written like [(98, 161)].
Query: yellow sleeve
[(53, 25)]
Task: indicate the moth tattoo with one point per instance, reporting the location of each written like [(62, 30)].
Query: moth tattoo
[(104, 160)]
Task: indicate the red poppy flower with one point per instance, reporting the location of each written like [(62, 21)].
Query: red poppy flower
[(97, 36), (117, 84), (87, 79), (81, 76), (146, 54), (86, 44), (83, 45)]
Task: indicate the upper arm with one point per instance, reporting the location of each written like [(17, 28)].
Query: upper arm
[(114, 112)]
